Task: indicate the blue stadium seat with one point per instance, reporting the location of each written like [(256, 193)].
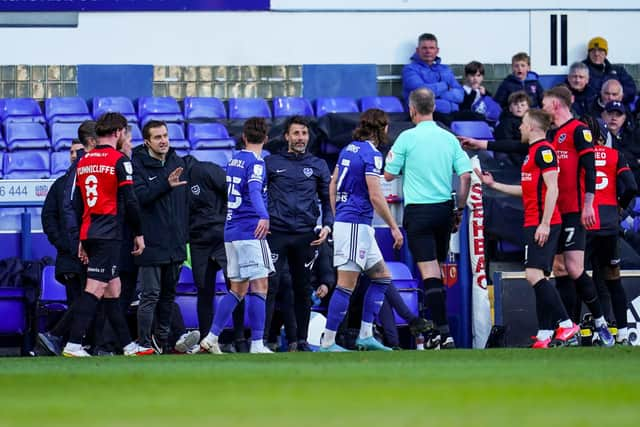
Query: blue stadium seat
[(60, 162), (163, 108), (243, 108), (3, 143), (182, 153), (200, 108), (176, 136), (29, 164), (209, 135), (1, 165), (336, 105), (50, 289), (53, 298), (22, 135), (284, 106), (399, 271), (186, 284), (136, 135), (389, 104), (118, 104), (221, 284), (21, 110), (477, 129), (189, 308), (69, 109), (62, 135), (14, 311), (407, 287), (219, 157)]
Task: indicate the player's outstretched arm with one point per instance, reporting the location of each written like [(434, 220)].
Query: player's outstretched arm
[(487, 179)]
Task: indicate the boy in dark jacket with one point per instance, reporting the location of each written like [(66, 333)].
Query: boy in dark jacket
[(522, 78)]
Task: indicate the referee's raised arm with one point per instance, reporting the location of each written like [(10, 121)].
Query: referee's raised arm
[(426, 156)]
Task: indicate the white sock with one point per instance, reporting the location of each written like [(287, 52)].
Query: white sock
[(329, 338), (623, 334), (544, 334), (366, 330), (257, 344), (73, 346), (566, 323), (600, 322), (211, 338)]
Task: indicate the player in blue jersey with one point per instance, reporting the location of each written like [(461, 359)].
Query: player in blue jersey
[(245, 231), (355, 193)]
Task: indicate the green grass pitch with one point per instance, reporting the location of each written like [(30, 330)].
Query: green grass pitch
[(510, 387)]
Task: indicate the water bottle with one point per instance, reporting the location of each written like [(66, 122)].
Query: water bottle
[(420, 342)]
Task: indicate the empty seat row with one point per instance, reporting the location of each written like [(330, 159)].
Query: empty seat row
[(75, 109), (36, 164), (27, 136)]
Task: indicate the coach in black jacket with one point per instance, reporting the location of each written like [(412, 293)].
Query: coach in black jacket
[(69, 269), (162, 194), (296, 180)]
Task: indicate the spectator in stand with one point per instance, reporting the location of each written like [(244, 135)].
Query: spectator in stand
[(622, 135), (601, 70), (509, 126), (578, 83), (522, 78), (611, 91), (476, 97), (427, 71)]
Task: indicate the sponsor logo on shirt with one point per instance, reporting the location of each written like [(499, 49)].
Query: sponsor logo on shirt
[(547, 156), (586, 134)]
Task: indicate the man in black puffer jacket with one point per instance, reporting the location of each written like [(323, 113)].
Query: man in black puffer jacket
[(296, 181), (162, 194)]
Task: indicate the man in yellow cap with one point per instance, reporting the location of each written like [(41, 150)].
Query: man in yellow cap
[(600, 69)]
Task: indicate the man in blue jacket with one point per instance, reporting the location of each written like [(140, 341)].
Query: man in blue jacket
[(426, 70), (297, 180)]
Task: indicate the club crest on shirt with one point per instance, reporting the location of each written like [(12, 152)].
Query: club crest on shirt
[(586, 134), (547, 156), (195, 190), (562, 138), (377, 161), (257, 171), (307, 172), (526, 159), (128, 168)]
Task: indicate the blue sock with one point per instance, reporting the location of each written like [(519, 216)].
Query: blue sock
[(223, 312), (373, 299), (338, 307), (257, 310)]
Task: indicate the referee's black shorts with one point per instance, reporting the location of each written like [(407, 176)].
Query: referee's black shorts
[(428, 228), (104, 259), (540, 257)]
